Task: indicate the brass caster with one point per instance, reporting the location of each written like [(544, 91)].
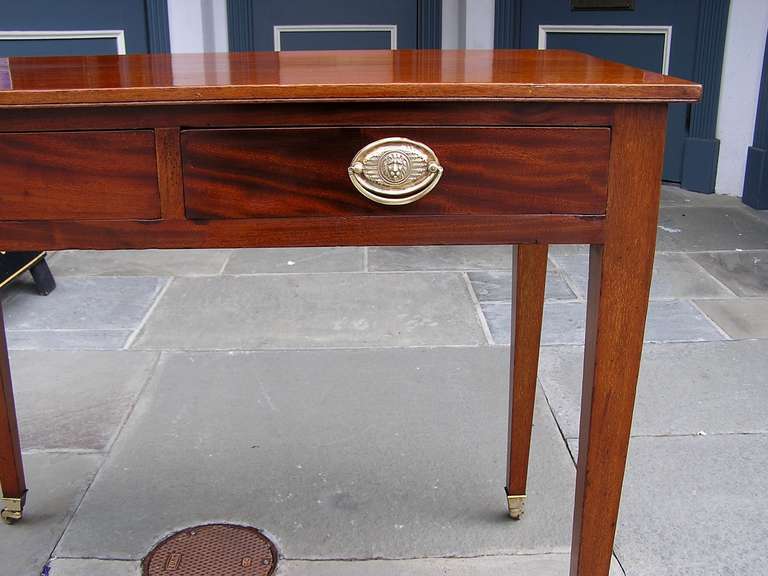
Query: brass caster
[(9, 516), (516, 506), (12, 511)]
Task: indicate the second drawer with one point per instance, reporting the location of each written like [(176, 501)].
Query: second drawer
[(302, 172)]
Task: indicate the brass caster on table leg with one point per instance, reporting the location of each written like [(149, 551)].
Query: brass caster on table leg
[(12, 509), (516, 504)]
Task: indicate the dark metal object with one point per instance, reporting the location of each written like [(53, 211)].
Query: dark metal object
[(43, 277), (13, 264), (602, 4), (213, 549)]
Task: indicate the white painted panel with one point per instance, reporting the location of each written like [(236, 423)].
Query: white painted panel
[(450, 24), (185, 24), (479, 22), (468, 23), (739, 90), (219, 28), (198, 25)]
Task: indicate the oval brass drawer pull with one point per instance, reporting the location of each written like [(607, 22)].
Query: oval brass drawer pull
[(395, 171)]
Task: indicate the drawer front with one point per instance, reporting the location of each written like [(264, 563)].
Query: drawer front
[(296, 172), (109, 175)]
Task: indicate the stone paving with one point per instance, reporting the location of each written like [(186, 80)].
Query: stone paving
[(351, 402)]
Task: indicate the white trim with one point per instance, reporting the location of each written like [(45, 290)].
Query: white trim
[(666, 31), (391, 28), (117, 35)]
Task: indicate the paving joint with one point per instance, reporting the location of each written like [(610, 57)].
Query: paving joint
[(478, 310), (158, 297)]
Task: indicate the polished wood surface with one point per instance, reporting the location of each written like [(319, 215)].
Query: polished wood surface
[(620, 272), (305, 114), (303, 172), (12, 479), (251, 150), (280, 232), (78, 176), (530, 276), (404, 74), (380, 226)]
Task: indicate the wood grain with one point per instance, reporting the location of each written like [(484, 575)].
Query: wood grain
[(11, 467), (375, 74), (78, 175), (530, 275), (269, 114), (168, 150), (278, 232), (619, 283), (303, 172)]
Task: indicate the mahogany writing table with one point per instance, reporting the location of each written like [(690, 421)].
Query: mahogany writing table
[(363, 148)]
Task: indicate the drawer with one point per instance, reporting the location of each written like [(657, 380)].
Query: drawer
[(303, 172), (92, 175)]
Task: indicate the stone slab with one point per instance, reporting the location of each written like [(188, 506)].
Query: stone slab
[(56, 484), (338, 454), (496, 285), (440, 258), (564, 323), (695, 506), (76, 400), (674, 276), (530, 565), (68, 339), (93, 567), (745, 273), (294, 260), (527, 565), (85, 303), (697, 229), (672, 195), (742, 318), (326, 310), (708, 387), (139, 262)]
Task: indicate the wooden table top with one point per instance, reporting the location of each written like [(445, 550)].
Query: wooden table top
[(536, 75)]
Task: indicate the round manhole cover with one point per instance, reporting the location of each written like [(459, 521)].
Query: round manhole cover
[(213, 549)]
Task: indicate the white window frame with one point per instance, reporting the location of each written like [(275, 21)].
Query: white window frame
[(391, 28), (117, 35), (665, 31)]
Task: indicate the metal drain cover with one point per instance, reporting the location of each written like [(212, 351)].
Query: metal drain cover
[(213, 550)]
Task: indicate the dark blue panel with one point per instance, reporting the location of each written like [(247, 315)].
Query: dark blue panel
[(158, 33), (336, 40), (267, 13), (682, 15), (756, 179), (60, 47), (430, 24), (755, 191), (641, 50), (128, 15), (700, 164)]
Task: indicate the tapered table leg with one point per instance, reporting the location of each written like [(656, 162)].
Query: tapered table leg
[(530, 274), (619, 282), (11, 470)]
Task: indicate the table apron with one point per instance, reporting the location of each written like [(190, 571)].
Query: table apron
[(286, 232)]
